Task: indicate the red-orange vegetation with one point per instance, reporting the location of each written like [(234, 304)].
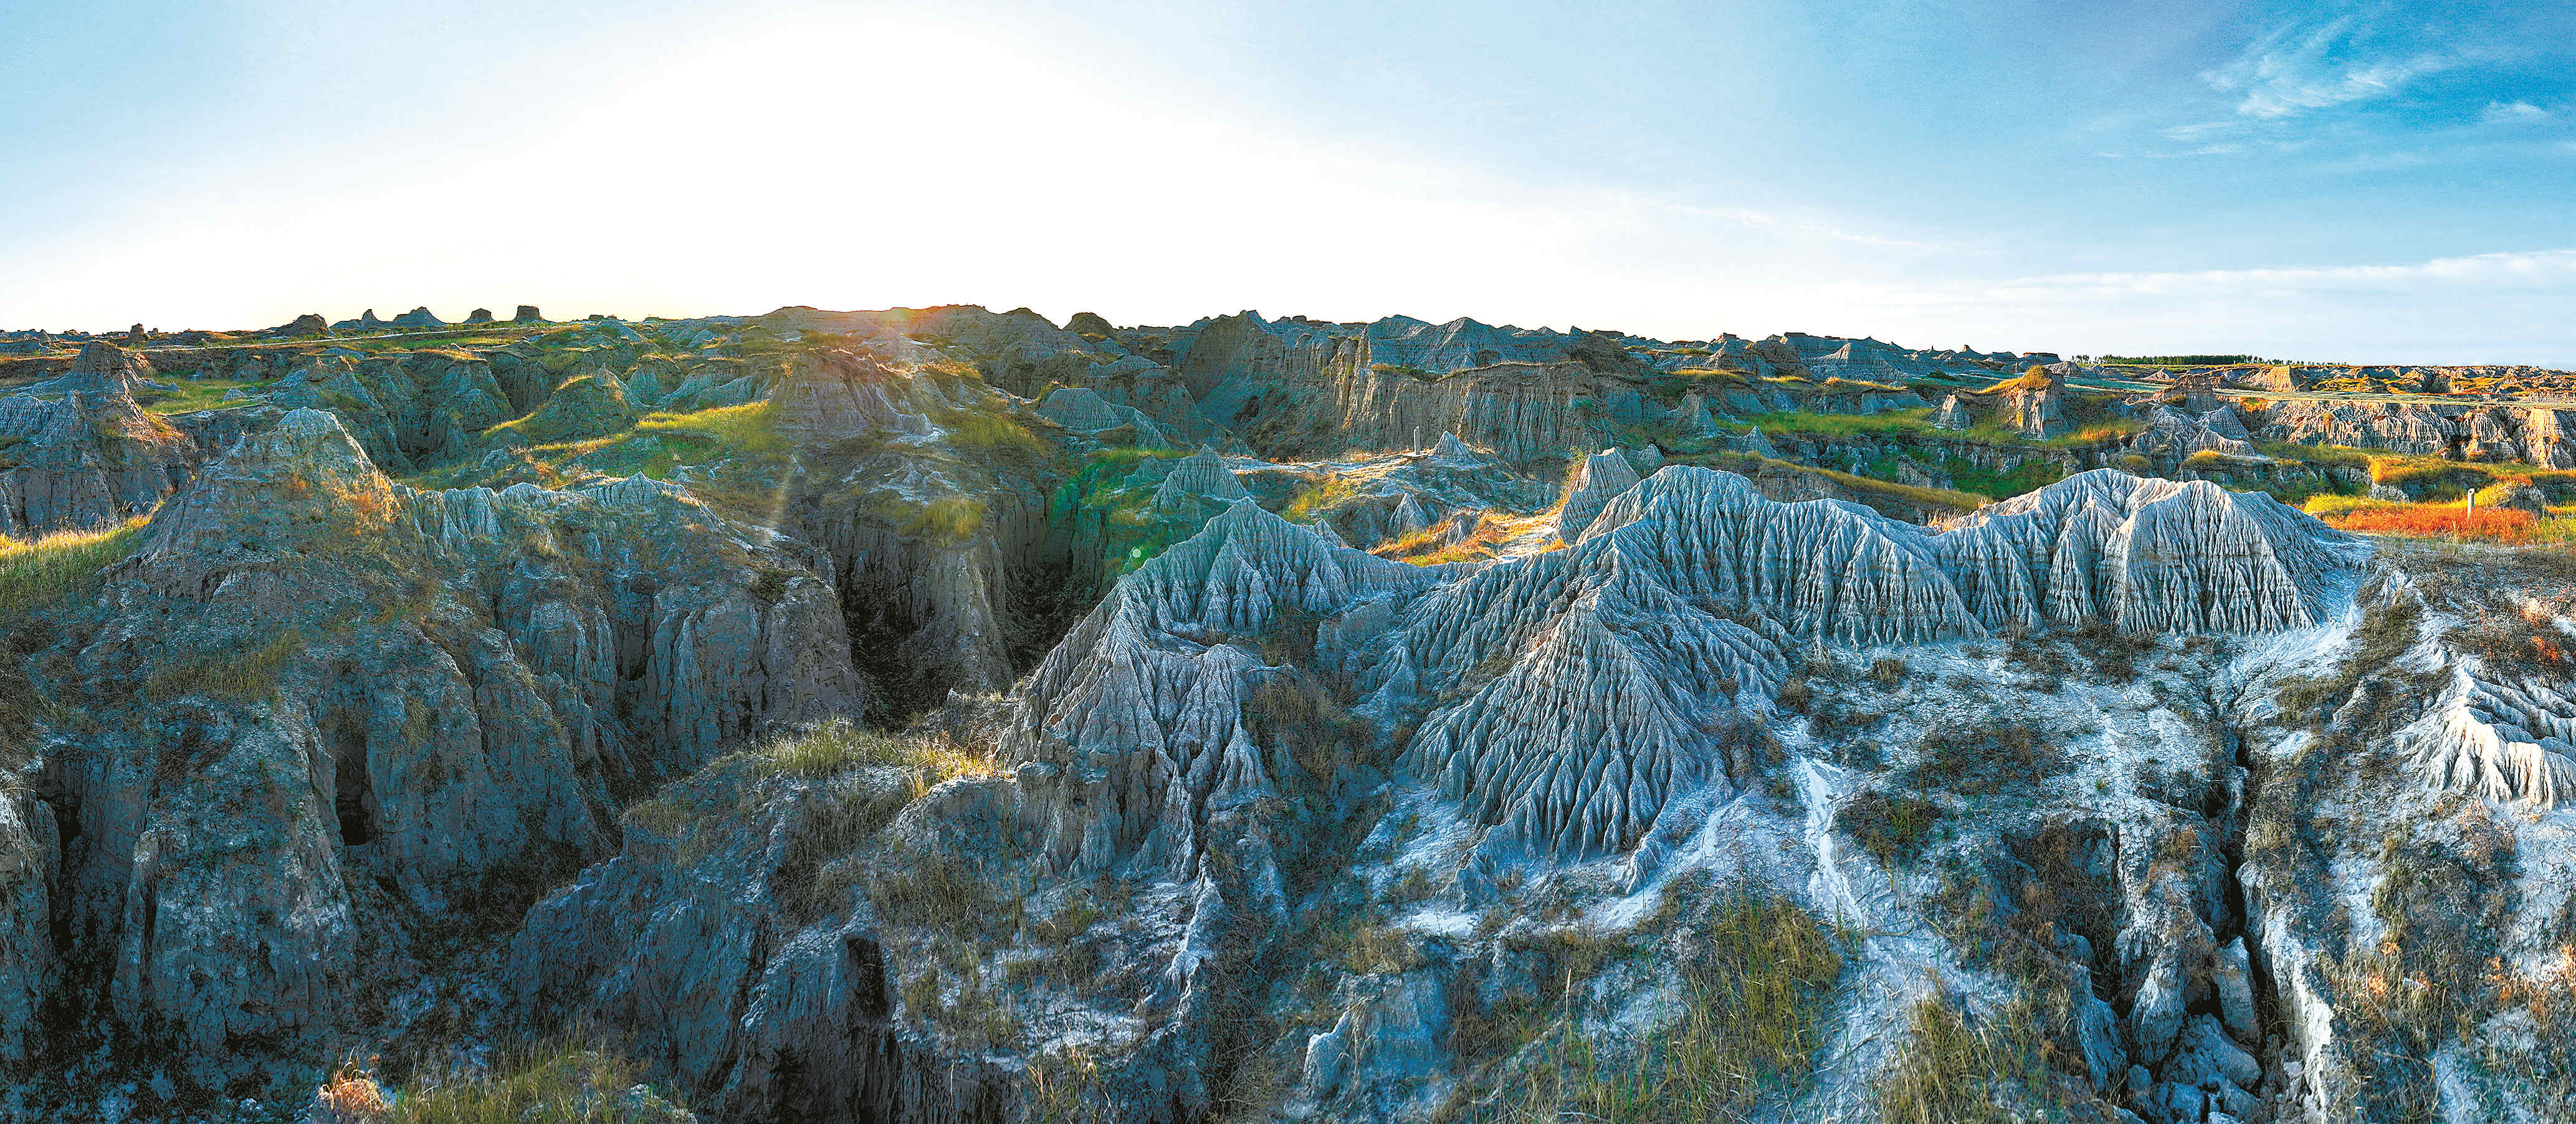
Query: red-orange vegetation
[(2486, 524)]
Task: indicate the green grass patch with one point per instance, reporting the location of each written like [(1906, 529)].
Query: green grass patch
[(746, 428), (1314, 499), (1673, 386), (240, 676), (1986, 757), (1802, 424), (1934, 498), (1952, 1070), (1894, 828), (838, 744), (992, 436), (40, 573), (948, 519), (1757, 983), (2028, 476), (555, 1083), (36, 576), (1129, 455), (194, 395)]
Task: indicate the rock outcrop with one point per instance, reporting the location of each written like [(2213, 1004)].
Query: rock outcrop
[(1604, 476), (1135, 723), (2498, 740), (92, 459), (1607, 631), (2033, 405), (337, 683), (933, 742)]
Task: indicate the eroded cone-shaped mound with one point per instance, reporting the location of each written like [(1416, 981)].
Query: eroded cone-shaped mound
[(1590, 686), (1620, 656), (1200, 475), (91, 458), (1077, 408), (1604, 475), (104, 370), (2501, 742), (1138, 713), (2145, 554)]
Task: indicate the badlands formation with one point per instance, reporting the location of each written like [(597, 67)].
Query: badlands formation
[(946, 715)]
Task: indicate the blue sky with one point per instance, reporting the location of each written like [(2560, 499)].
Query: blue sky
[(2378, 182)]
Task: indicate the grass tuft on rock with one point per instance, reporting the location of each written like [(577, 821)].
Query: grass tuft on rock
[(1895, 828), (564, 1082), (1757, 980), (35, 574), (744, 428), (838, 744)]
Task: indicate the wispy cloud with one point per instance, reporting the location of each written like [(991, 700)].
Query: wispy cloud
[(2506, 307), (2288, 73), (1786, 224), (2512, 112), (2193, 134), (2523, 269)]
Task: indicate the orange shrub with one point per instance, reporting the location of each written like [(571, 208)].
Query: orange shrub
[(2487, 524)]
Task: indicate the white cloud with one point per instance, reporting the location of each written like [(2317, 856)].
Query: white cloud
[(2483, 308), (2283, 75), (2189, 134), (2508, 269), (2504, 112)]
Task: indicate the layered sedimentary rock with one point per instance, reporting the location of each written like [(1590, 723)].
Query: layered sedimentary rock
[(1642, 624), (2033, 406), (2174, 436), (1082, 410), (306, 326), (1520, 411), (408, 408), (2145, 554), (2404, 427), (1201, 476)]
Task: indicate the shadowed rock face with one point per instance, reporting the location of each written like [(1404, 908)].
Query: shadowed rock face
[(325, 687)]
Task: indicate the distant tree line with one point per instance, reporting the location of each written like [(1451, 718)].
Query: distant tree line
[(2184, 360)]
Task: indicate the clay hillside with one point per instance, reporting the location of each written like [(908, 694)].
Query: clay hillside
[(942, 715)]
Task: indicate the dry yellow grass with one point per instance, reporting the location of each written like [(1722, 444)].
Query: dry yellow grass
[(37, 573)]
